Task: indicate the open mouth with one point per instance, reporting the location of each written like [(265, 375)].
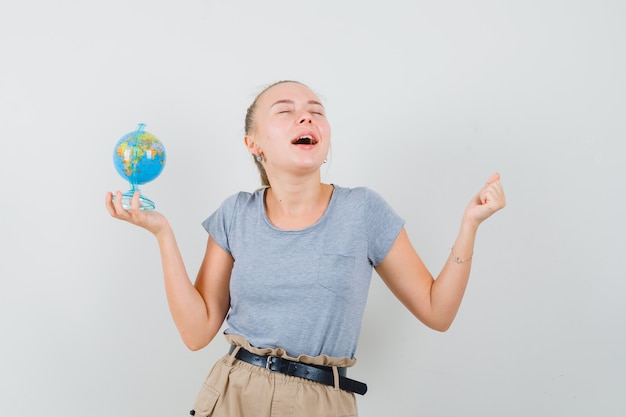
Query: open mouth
[(304, 140)]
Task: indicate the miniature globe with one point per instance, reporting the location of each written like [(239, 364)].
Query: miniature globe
[(139, 157)]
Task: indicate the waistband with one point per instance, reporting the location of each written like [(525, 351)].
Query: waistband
[(322, 374)]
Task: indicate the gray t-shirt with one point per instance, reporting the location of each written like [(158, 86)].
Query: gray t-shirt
[(303, 290)]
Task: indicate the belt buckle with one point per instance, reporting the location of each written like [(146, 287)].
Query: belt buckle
[(268, 363)]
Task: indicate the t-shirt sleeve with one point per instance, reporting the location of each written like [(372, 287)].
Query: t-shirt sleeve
[(383, 226), (219, 223)]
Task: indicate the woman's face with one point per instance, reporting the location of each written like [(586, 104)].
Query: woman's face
[(290, 129)]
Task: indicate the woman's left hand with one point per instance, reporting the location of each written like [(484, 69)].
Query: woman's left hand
[(489, 200)]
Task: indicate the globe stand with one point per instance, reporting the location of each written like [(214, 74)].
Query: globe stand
[(144, 203)]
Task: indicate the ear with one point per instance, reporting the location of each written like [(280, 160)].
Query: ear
[(253, 148)]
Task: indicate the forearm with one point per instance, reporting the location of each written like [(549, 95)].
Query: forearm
[(436, 301), (187, 306), (448, 289)]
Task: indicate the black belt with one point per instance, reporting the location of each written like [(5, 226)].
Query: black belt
[(321, 374)]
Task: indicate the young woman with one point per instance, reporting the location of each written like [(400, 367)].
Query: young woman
[(289, 268)]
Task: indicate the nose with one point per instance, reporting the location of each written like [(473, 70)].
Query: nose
[(306, 118)]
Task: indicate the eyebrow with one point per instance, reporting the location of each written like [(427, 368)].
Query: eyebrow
[(286, 101)]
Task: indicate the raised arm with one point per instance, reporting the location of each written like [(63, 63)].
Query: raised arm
[(198, 311), (435, 302)]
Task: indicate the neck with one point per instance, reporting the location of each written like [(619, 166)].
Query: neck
[(297, 204), (295, 195)]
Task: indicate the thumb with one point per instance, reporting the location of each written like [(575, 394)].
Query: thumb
[(494, 177)]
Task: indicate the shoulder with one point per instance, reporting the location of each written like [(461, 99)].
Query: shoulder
[(234, 204), (242, 199), (372, 206), (362, 195), (233, 208)]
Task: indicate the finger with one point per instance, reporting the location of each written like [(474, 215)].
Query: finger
[(493, 180), (134, 202), (494, 177), (483, 198), (487, 196), (117, 203), (114, 205), (493, 198), (108, 202), (486, 199)]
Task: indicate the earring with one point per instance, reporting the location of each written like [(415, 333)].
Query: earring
[(259, 158)]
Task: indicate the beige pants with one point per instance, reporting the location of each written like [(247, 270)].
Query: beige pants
[(239, 389)]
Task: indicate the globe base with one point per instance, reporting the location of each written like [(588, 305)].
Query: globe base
[(144, 203)]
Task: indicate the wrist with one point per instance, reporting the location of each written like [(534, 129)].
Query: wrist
[(469, 224), (460, 260), (163, 231)]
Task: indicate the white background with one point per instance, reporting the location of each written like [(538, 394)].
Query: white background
[(426, 99)]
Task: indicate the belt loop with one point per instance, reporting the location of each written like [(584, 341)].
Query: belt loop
[(233, 354), (336, 378)]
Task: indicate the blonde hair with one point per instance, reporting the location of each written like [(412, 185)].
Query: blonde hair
[(249, 126)]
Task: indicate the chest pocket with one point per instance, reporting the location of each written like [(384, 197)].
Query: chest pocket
[(336, 272)]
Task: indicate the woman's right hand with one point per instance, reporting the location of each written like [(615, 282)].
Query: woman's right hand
[(152, 221)]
